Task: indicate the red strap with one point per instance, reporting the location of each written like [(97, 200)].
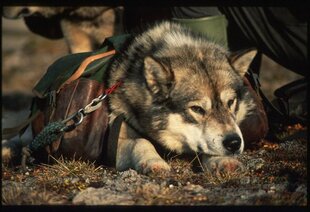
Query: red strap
[(113, 87)]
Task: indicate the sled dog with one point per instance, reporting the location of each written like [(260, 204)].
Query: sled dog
[(182, 93), (84, 28)]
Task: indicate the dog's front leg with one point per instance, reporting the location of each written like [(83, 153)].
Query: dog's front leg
[(145, 158), (137, 153), (219, 165)]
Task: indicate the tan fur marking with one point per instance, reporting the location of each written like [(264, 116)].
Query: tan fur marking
[(193, 134), (243, 111), (6, 155)]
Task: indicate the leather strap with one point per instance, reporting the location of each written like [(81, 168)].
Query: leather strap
[(254, 81), (84, 65), (112, 141)]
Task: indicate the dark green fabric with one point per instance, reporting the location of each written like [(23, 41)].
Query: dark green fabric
[(64, 67), (58, 72), (214, 27)]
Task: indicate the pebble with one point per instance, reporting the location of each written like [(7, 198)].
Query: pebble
[(194, 188), (108, 182), (76, 179), (272, 190), (102, 196), (245, 180), (255, 164), (261, 192), (243, 196), (301, 188), (259, 166), (128, 174)]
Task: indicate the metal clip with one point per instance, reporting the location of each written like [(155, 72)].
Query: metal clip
[(77, 118), (69, 118), (79, 121), (94, 105), (102, 96)]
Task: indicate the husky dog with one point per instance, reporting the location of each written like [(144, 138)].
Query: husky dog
[(84, 28), (181, 92)]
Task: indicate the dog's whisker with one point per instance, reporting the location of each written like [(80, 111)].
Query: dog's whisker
[(192, 160), (197, 156), (177, 155)]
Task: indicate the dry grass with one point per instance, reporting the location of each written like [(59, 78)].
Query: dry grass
[(69, 176), (48, 184)]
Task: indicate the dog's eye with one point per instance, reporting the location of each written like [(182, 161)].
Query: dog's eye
[(230, 102), (198, 109)]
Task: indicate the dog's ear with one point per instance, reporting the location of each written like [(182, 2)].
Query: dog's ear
[(158, 76), (241, 60)]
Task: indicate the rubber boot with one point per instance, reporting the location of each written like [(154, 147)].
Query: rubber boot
[(214, 27)]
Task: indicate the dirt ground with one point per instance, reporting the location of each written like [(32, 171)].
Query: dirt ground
[(276, 170)]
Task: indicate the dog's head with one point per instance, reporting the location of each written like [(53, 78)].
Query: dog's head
[(187, 94)]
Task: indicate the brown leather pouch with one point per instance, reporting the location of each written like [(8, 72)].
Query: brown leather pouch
[(255, 126), (86, 140)]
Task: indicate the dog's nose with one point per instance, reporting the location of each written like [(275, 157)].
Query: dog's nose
[(232, 142)]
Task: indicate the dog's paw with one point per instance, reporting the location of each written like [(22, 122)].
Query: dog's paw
[(153, 166), (223, 165)]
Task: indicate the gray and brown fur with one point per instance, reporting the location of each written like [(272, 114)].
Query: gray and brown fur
[(183, 92), (84, 28)]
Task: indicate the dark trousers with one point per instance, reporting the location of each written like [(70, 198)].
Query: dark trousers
[(278, 32)]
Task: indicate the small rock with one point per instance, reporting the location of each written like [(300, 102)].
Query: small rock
[(255, 164), (193, 188), (108, 182), (163, 184), (243, 197), (259, 166), (301, 188), (245, 180), (173, 182), (102, 196), (75, 180), (261, 152), (261, 192), (271, 190), (128, 174), (280, 187)]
